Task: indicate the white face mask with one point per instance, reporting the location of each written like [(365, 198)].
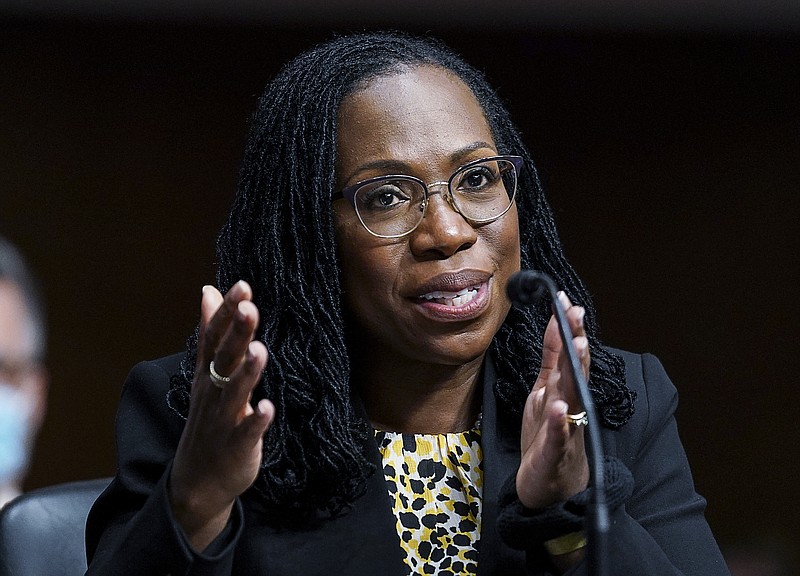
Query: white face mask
[(15, 417)]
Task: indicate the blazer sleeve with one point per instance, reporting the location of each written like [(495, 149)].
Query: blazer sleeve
[(657, 524), (131, 529), (661, 529)]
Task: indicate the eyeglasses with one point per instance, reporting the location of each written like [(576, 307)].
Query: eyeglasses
[(393, 206)]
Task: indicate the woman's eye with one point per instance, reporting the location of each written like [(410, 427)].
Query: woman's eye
[(384, 197), (477, 177)]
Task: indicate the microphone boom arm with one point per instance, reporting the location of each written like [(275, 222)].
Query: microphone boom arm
[(524, 288)]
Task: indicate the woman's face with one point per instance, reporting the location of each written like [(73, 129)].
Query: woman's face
[(422, 122)]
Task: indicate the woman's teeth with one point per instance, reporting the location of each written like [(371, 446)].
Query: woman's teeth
[(452, 298)]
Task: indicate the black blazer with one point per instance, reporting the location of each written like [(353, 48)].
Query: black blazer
[(131, 531)]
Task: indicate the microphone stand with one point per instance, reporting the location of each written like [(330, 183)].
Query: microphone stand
[(524, 288)]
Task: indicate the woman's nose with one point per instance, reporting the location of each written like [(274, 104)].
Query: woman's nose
[(443, 231)]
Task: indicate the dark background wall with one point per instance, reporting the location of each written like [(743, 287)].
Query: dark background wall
[(671, 157)]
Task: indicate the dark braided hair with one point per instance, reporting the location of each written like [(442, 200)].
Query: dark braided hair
[(279, 237)]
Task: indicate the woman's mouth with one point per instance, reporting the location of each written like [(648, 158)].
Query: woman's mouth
[(465, 304), (456, 299)]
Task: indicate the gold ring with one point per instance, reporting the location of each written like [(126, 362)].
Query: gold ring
[(578, 419), (216, 379)]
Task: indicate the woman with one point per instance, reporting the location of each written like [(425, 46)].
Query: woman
[(363, 399)]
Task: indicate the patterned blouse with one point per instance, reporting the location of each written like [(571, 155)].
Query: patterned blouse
[(436, 484)]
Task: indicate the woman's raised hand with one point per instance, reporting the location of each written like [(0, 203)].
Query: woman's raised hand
[(219, 452), (554, 465)]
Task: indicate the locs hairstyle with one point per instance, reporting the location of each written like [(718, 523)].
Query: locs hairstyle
[(279, 237)]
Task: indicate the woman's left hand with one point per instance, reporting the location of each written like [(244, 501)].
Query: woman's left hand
[(554, 466)]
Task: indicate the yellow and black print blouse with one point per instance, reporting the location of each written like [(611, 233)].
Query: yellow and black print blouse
[(436, 484)]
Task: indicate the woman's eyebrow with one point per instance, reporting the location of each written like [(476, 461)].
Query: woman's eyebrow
[(388, 166), (399, 167), (460, 154)]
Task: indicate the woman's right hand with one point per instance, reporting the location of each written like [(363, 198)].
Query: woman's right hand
[(219, 452)]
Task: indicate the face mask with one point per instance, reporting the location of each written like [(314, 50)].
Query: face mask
[(15, 410)]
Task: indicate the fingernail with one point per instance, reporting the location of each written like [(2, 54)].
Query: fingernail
[(581, 314)]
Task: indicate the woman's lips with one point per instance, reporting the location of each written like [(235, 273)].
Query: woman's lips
[(459, 298), (465, 304), (452, 282)]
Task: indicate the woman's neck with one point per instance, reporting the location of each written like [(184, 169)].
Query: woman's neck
[(420, 398)]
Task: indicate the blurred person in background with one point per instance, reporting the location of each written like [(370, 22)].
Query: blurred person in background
[(23, 377)]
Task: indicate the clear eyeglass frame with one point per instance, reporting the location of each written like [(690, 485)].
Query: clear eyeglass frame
[(513, 163)]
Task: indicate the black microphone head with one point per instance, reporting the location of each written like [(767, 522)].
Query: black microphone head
[(526, 287)]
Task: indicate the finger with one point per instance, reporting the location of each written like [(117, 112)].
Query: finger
[(558, 417), (580, 341), (574, 314), (551, 346), (531, 420), (236, 394), (231, 350), (557, 422), (565, 386), (536, 402), (543, 398), (220, 319), (566, 303), (210, 302), (253, 427), (580, 344), (575, 317), (560, 385), (584, 355), (559, 431)]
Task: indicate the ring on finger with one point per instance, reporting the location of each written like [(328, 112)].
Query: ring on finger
[(216, 379), (579, 419)]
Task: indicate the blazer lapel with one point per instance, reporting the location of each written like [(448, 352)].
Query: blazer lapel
[(362, 541), (500, 445)]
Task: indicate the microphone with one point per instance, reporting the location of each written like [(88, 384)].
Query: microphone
[(524, 288)]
